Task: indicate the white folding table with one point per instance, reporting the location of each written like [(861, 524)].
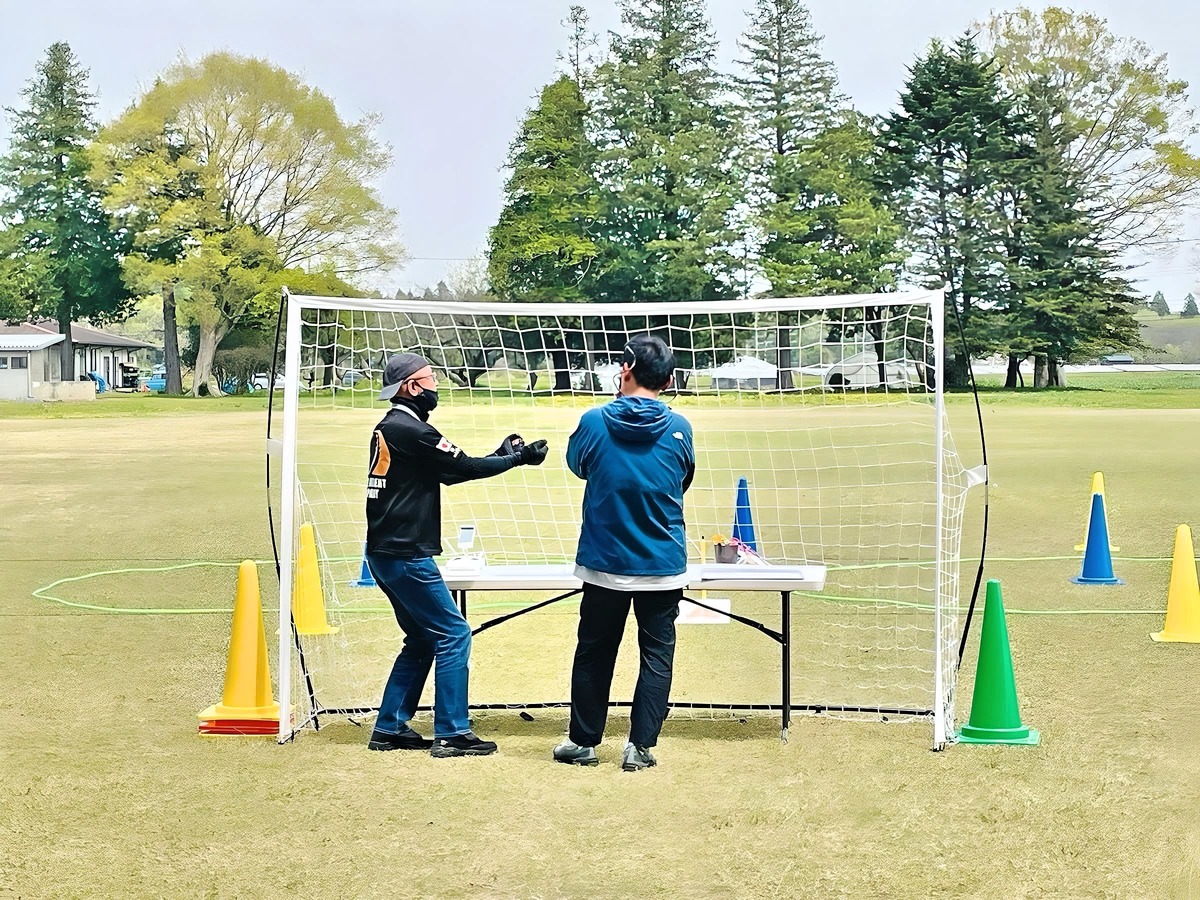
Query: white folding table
[(705, 577)]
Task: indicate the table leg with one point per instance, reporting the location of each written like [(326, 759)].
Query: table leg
[(787, 663)]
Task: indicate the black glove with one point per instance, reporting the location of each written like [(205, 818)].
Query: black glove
[(533, 454), (510, 446)]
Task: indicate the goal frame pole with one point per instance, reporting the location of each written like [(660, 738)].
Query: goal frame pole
[(287, 525), (937, 322)]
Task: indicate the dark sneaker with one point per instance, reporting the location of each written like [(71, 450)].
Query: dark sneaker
[(637, 758), (468, 744), (572, 754), (405, 740)]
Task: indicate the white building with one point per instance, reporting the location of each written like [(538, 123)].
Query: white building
[(31, 361), (27, 360)]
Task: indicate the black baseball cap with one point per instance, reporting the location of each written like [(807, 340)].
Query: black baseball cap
[(399, 369)]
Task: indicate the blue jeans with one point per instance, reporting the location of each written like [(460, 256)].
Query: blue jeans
[(434, 632)]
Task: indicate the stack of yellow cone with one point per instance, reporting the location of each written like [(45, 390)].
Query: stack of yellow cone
[(1183, 596), (308, 599), (247, 705)]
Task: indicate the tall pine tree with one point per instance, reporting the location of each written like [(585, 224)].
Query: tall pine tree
[(947, 148), (817, 211), (668, 186), (542, 247), (810, 159), (56, 232)]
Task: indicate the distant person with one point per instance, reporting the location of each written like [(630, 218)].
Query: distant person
[(637, 458), (410, 461)]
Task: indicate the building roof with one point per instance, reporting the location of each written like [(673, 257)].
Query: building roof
[(81, 335), (25, 342)]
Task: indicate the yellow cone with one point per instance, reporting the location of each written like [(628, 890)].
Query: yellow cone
[(1183, 596), (247, 693), (1097, 488), (308, 600)]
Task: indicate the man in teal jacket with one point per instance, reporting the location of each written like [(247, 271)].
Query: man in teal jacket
[(637, 458)]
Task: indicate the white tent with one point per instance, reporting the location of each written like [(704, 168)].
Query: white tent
[(862, 370), (744, 373)]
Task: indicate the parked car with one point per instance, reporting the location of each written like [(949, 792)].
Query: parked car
[(262, 381), (351, 377), (158, 379)]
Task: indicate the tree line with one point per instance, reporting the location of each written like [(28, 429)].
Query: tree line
[(1159, 306), (1020, 163)]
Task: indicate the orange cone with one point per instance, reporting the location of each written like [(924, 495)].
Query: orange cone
[(246, 706)]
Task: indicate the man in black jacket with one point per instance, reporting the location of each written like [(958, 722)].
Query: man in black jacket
[(410, 461)]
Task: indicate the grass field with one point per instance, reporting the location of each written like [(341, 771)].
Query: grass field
[(106, 790)]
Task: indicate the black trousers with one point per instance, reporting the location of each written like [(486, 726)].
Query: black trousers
[(602, 615)]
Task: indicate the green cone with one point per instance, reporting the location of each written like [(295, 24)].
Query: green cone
[(995, 717)]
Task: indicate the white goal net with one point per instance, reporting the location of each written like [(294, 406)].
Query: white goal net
[(830, 409)]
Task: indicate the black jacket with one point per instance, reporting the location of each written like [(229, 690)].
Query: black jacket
[(409, 462)]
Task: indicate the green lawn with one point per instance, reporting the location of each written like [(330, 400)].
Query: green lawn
[(108, 791)]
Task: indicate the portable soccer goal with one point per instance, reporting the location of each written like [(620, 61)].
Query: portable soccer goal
[(827, 412)]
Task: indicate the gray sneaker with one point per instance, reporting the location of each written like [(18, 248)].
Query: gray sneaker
[(637, 758), (572, 754)]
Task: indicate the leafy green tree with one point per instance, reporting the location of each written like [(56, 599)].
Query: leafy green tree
[(274, 157), (1132, 123), (338, 342), (219, 282), (1159, 304), (156, 190), (946, 151), (667, 190), (1189, 308), (58, 254)]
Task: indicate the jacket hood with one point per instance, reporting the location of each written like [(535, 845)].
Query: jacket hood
[(636, 419)]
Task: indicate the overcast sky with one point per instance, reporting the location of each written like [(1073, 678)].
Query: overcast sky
[(452, 78)]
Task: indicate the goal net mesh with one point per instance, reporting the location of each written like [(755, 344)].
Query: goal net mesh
[(828, 408)]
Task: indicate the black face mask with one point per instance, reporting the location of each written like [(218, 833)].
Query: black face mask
[(426, 401)]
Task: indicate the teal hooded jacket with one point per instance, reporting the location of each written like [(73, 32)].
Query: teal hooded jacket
[(638, 459)]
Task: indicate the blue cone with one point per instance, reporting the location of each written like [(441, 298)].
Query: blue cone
[(743, 522), (1097, 558), (365, 578)]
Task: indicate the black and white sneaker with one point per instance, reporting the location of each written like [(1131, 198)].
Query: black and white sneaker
[(405, 740), (637, 758), (468, 744), (574, 755)]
